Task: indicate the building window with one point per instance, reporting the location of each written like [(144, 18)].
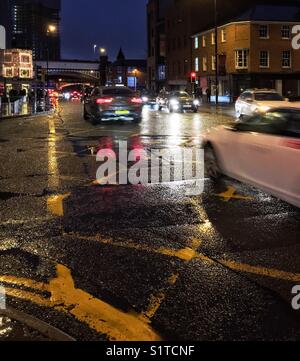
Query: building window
[(8, 72), (203, 41), (204, 63), (24, 73), (213, 62), (286, 32), (286, 59), (264, 31), (223, 35), (7, 57), (213, 38), (196, 42), (197, 64), (264, 59), (241, 59), (161, 72)]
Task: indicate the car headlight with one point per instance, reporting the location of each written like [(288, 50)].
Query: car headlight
[(145, 99), (174, 102), (196, 102), (263, 108)]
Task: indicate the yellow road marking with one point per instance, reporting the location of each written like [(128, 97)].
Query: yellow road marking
[(28, 296), (185, 254), (53, 179), (55, 204), (24, 282), (262, 271), (156, 300), (230, 194), (98, 315)]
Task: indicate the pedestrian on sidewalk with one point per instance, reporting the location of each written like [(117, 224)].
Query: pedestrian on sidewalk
[(199, 94), (208, 95)]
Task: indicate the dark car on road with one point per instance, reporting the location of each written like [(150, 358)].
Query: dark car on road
[(180, 101), (177, 101), (112, 104)]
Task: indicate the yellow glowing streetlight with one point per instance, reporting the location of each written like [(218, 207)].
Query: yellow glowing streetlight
[(102, 51), (51, 29)]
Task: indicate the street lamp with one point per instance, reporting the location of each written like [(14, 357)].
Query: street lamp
[(216, 52), (135, 72), (102, 51), (95, 47), (51, 29)]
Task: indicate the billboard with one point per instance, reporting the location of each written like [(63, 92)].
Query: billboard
[(16, 64)]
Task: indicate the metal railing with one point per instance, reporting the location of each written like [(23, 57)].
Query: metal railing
[(19, 107)]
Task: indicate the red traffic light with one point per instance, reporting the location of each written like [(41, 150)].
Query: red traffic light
[(193, 77)]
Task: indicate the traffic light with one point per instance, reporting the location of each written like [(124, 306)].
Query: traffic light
[(193, 77)]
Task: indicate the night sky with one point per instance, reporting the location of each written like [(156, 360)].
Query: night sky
[(107, 23)]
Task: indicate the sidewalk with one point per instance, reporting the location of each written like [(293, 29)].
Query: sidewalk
[(221, 109), (2, 117), (25, 110)]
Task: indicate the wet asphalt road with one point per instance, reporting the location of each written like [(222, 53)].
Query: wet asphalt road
[(89, 259)]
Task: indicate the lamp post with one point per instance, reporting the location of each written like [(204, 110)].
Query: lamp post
[(103, 67), (95, 47), (51, 29), (135, 71), (216, 52)]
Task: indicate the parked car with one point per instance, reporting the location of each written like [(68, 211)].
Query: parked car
[(112, 103), (263, 151), (259, 101)]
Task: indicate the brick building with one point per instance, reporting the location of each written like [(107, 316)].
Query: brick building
[(156, 24), (185, 18), (254, 50), (129, 72)]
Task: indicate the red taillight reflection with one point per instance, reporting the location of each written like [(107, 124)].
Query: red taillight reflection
[(104, 100), (137, 100)]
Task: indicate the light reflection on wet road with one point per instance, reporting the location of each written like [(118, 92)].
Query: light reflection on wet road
[(220, 265)]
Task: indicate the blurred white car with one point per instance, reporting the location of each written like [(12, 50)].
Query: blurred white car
[(263, 150), (260, 101)]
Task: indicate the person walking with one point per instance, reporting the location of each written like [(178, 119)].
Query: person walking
[(199, 94), (208, 95)]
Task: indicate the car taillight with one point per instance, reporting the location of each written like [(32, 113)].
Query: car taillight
[(104, 100), (137, 100)]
